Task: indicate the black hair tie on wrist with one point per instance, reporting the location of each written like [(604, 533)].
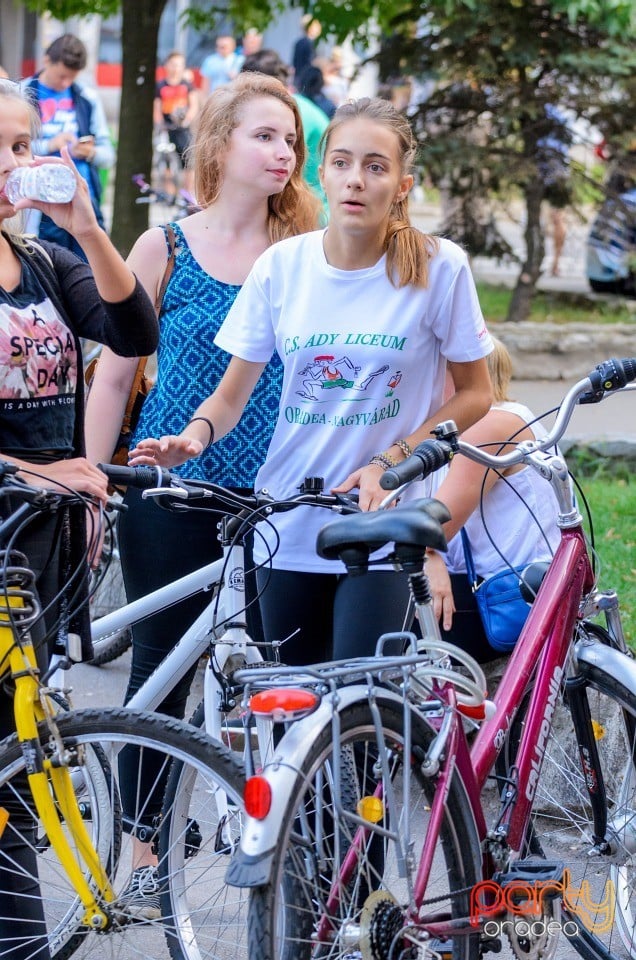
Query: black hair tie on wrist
[(211, 428)]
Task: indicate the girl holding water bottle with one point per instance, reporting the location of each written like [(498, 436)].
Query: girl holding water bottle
[(49, 298)]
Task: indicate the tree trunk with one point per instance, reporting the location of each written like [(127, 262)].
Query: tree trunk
[(140, 29), (525, 290)]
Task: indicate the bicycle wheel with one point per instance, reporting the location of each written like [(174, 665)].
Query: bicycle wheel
[(108, 594), (192, 874), (311, 909), (600, 919), (205, 769)]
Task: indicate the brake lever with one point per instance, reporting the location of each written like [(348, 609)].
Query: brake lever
[(179, 492), (348, 502)]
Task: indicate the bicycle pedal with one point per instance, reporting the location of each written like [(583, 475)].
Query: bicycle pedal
[(220, 844), (529, 873)]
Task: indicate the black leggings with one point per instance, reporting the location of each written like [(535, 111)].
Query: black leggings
[(157, 547), (331, 616)]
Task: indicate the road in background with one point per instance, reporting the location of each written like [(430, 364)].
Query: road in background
[(614, 418)]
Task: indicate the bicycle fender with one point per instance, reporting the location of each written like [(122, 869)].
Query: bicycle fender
[(608, 669), (251, 865)]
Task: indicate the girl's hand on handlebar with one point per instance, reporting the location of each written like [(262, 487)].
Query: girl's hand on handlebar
[(367, 480), (78, 474), (168, 451)]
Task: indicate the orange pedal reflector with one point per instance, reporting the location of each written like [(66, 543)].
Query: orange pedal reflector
[(257, 795)]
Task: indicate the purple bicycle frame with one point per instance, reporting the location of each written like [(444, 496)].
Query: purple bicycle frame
[(544, 642)]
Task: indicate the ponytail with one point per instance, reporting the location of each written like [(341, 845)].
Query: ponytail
[(408, 250)]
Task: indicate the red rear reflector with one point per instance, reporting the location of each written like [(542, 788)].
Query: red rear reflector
[(257, 795), (284, 703)]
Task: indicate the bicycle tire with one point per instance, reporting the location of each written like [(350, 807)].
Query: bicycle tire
[(284, 915), (108, 594), (560, 824), (207, 767), (194, 890)]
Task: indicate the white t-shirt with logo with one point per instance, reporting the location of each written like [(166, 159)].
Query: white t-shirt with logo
[(364, 365)]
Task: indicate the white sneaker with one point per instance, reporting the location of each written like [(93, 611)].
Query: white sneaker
[(140, 899)]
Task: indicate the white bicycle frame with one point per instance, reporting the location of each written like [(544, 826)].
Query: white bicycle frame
[(209, 628)]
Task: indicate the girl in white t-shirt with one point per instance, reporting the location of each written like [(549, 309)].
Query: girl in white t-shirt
[(366, 316), (510, 519)]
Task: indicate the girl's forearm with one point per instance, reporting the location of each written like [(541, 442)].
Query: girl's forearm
[(106, 404), (115, 281)]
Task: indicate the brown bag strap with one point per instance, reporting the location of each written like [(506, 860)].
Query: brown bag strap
[(172, 244), (139, 389)]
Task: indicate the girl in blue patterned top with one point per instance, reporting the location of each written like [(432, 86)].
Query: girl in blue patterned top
[(248, 155)]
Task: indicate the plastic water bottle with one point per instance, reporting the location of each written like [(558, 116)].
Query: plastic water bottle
[(48, 182)]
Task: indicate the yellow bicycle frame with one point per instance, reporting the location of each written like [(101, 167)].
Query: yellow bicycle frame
[(50, 779)]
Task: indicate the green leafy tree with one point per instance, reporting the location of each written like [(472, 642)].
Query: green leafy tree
[(495, 63), (500, 69)]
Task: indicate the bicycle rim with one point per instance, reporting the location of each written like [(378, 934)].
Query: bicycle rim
[(108, 594), (310, 909), (600, 920), (205, 769)]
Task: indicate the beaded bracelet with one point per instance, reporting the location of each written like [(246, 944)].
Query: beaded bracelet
[(383, 460), (211, 428), (405, 447)]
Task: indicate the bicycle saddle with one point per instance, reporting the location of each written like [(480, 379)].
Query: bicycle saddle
[(351, 539)]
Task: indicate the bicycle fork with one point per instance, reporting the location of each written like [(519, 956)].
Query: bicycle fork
[(49, 778)]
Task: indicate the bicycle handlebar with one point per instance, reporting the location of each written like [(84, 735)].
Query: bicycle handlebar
[(164, 483), (430, 455)]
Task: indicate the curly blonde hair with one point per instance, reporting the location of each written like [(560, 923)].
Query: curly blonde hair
[(409, 251), (295, 209)]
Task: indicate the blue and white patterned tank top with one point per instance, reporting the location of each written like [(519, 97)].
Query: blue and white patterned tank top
[(189, 367)]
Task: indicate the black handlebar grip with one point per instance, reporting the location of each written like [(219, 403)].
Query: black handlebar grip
[(143, 478), (609, 375), (427, 457)]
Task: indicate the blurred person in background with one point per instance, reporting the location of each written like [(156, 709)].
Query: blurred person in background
[(304, 50), (611, 245), (221, 66), (310, 85), (71, 115), (252, 42), (175, 109), (336, 84)]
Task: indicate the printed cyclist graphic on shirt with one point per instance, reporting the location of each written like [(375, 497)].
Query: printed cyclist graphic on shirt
[(37, 353), (325, 373)]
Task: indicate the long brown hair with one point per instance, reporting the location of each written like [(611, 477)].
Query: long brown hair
[(295, 209), (408, 250)]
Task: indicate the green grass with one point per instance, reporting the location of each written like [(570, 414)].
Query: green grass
[(556, 307), (612, 503)]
